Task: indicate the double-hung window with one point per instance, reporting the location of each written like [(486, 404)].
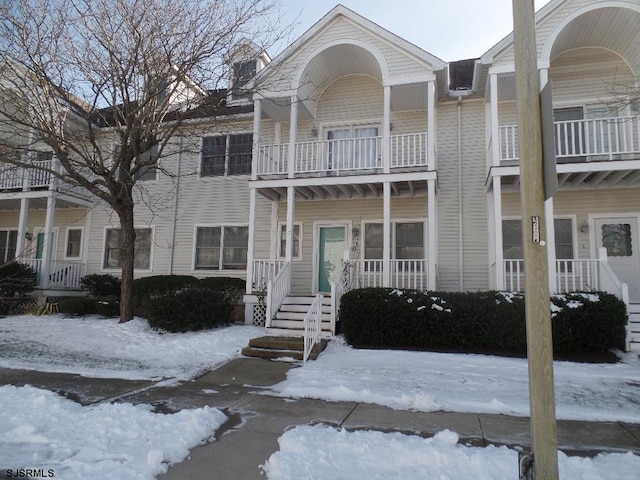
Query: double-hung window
[(74, 243), (113, 247), (225, 155), (221, 248), (282, 240), (407, 241), (353, 147), (512, 239)]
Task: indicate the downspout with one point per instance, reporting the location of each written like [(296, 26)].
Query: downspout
[(175, 208), (460, 206)]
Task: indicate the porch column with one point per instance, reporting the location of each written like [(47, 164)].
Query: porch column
[(432, 246), (497, 228), (257, 125), (431, 126), (293, 133), (386, 129), (291, 200), (495, 131), (23, 221), (47, 247), (274, 230), (386, 235), (551, 245), (253, 198)]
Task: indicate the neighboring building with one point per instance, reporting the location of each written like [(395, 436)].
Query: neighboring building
[(359, 145)]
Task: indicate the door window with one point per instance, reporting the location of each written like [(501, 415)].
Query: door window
[(616, 238)]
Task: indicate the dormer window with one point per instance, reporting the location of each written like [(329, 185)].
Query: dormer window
[(242, 73)]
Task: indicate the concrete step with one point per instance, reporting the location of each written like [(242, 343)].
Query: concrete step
[(281, 347)]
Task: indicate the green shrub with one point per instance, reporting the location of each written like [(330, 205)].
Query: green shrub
[(77, 306), (477, 321), (190, 309), (101, 285), (230, 287), (17, 279), (148, 289), (108, 308)]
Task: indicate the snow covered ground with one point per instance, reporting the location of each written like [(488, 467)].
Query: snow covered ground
[(101, 347), (427, 381), (43, 430)]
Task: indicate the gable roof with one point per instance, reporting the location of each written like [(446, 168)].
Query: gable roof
[(340, 10)]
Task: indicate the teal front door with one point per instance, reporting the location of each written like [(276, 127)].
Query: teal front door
[(332, 243)]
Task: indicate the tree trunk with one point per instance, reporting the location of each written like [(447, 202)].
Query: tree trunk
[(126, 256)]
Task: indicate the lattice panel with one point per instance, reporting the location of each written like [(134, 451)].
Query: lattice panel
[(259, 315)]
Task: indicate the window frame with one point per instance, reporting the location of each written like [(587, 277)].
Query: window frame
[(66, 243), (280, 239), (394, 245), (7, 244), (574, 236), (221, 262), (104, 267), (228, 155)]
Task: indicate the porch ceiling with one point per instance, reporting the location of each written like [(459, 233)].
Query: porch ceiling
[(400, 188), (576, 176), (11, 201)]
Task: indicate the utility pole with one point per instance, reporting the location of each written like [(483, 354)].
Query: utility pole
[(538, 312)]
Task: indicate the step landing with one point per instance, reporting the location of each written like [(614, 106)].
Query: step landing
[(281, 347)]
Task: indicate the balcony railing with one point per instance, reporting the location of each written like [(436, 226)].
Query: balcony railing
[(12, 177), (349, 154), (598, 139)]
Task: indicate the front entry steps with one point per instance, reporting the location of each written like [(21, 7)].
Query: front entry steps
[(634, 327), (289, 320), (281, 347)]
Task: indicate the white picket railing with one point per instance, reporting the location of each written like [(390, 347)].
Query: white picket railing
[(411, 274), (348, 154), (338, 288), (579, 275), (312, 327), (595, 139), (409, 150), (62, 274), (272, 159), (263, 271), (277, 290)]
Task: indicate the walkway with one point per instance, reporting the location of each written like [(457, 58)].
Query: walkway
[(256, 420)]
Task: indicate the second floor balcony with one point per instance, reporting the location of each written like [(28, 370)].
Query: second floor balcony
[(17, 178), (348, 156), (587, 140)]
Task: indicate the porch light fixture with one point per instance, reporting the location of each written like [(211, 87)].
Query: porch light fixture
[(314, 131), (28, 236), (584, 227)]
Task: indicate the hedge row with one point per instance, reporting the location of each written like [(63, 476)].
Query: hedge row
[(477, 321)]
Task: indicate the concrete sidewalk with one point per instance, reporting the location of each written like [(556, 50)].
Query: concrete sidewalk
[(256, 421)]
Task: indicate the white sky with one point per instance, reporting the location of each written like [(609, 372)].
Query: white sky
[(449, 29)]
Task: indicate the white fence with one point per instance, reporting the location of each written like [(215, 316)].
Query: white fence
[(61, 274)]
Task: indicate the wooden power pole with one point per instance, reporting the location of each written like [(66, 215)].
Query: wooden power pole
[(538, 312)]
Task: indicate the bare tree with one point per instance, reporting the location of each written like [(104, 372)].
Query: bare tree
[(82, 75)]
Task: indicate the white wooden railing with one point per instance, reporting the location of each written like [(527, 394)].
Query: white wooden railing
[(62, 274), (411, 274), (277, 290), (312, 327), (590, 139), (349, 154), (273, 158), (408, 150), (12, 177), (263, 271), (338, 288)]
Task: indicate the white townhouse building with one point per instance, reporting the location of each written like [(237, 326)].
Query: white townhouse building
[(363, 160)]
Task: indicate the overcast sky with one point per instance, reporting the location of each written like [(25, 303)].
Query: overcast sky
[(449, 29)]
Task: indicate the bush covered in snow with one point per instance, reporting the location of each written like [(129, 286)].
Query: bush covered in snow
[(477, 321)]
